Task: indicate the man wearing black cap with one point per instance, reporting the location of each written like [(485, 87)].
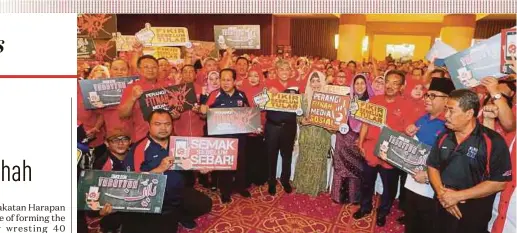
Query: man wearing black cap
[(419, 194)]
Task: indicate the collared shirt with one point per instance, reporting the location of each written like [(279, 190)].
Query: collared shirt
[(220, 99), (395, 119), (429, 129), (138, 123), (463, 165), (147, 155)]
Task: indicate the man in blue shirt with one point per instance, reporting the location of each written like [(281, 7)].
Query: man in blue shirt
[(180, 204), (419, 218), (229, 97)]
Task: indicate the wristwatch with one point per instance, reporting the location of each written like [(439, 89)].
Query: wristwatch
[(497, 96)]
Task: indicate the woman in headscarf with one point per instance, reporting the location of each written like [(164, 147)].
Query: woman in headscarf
[(310, 176), (212, 83), (256, 162), (346, 182), (414, 91), (378, 85)]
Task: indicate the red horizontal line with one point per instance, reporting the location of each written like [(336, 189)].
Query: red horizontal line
[(38, 76)]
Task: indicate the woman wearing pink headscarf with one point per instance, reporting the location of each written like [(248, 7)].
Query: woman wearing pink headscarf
[(348, 161), (256, 162), (378, 85)]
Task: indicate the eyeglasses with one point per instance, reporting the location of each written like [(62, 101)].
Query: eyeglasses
[(432, 96), (120, 140)]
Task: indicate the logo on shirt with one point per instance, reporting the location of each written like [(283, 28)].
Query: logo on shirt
[(397, 112), (156, 156), (472, 152), (239, 103), (508, 173)]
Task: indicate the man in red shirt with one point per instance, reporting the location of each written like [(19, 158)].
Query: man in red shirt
[(189, 123), (242, 66), (129, 106), (397, 107)]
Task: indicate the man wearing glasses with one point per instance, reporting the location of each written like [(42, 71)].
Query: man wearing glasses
[(419, 194)]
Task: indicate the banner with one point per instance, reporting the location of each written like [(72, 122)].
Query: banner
[(280, 102), (329, 111), (237, 36), (180, 97), (508, 46), (124, 42), (125, 191), (97, 26), (337, 90), (85, 48), (99, 93), (372, 114), (233, 120), (469, 66), (402, 151), (197, 153), (440, 50), (163, 36), (169, 53)]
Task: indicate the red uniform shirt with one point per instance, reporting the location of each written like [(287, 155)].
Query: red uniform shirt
[(89, 119), (395, 120), (190, 123), (140, 127)]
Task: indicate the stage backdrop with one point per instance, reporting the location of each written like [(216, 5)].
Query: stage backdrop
[(201, 27)]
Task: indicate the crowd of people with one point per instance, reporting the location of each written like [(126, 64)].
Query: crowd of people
[(471, 131)]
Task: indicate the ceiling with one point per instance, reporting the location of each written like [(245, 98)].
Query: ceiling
[(424, 18)]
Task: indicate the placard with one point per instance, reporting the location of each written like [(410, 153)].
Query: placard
[(180, 97), (233, 120), (237, 36), (169, 53), (372, 114), (85, 48), (204, 49), (124, 42), (280, 102), (97, 26), (440, 50), (469, 66), (163, 36), (402, 151), (198, 153), (335, 89), (508, 46), (329, 111), (125, 191), (105, 50), (99, 93)]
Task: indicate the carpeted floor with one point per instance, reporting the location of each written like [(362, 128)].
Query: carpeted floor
[(293, 213)]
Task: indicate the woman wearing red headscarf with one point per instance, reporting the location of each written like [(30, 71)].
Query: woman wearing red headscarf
[(414, 91), (257, 166)]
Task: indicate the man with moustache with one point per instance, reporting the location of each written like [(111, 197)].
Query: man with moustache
[(467, 166), (397, 107), (129, 107), (280, 129), (229, 97), (189, 123)]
